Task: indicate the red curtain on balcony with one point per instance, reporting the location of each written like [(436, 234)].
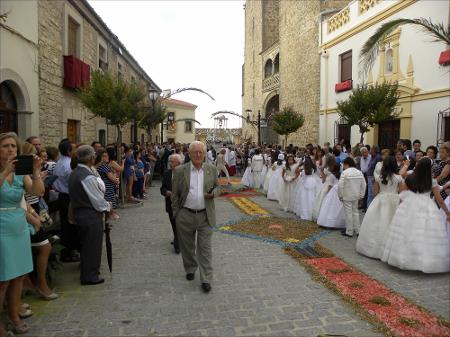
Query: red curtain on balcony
[(85, 73), (76, 72)]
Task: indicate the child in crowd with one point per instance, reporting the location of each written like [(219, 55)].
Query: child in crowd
[(351, 188)]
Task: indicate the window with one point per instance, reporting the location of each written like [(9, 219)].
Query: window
[(119, 70), (72, 37), (346, 66), (276, 64), (188, 126), (102, 58), (268, 68), (389, 60)]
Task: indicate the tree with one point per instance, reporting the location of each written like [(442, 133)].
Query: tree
[(370, 49), (369, 105), (113, 99), (152, 116), (286, 122)]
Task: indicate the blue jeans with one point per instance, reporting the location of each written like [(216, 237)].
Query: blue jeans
[(370, 196)]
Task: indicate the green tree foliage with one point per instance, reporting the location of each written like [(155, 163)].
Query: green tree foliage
[(287, 121), (370, 49), (152, 116), (113, 99), (369, 105)]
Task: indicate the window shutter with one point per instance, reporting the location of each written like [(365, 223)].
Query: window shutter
[(346, 66)]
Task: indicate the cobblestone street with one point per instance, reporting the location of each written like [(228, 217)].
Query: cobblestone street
[(257, 289)]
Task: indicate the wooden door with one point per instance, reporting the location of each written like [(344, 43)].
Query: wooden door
[(389, 134), (344, 133), (72, 132), (8, 109)]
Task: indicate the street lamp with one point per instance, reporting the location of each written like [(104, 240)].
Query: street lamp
[(257, 122), (153, 95)]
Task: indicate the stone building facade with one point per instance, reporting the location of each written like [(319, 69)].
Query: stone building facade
[(71, 27), (282, 64)]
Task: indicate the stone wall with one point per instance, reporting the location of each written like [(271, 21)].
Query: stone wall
[(58, 104), (270, 22), (252, 98), (51, 97), (298, 35)]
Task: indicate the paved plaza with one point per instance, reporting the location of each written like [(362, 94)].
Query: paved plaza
[(258, 290)]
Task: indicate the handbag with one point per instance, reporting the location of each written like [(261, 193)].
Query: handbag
[(46, 220)]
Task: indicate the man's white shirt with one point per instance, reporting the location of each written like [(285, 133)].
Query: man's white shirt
[(195, 198)]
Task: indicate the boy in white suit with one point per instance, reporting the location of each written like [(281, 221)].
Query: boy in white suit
[(351, 188)]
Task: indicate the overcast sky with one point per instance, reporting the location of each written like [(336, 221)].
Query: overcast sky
[(185, 44)]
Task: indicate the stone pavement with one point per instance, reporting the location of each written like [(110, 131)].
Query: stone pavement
[(257, 291)]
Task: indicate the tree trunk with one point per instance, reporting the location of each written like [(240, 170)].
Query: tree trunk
[(361, 139), (119, 161)]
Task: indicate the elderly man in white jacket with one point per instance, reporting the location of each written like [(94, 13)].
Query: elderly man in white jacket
[(351, 188)]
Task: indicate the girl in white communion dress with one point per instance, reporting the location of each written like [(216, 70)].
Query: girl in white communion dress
[(417, 236), (372, 234)]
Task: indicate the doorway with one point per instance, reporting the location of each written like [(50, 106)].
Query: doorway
[(73, 130), (8, 109), (389, 134)]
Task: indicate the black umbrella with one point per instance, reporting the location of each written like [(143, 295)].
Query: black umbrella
[(108, 228)]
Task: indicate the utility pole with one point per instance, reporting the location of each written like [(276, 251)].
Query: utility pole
[(259, 127)]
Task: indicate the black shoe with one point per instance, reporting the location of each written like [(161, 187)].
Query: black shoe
[(190, 276), (91, 283), (177, 250), (206, 287)]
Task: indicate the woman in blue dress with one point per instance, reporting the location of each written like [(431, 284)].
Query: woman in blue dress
[(15, 248), (128, 173)]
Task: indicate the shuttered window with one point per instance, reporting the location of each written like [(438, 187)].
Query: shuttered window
[(346, 66), (72, 37)]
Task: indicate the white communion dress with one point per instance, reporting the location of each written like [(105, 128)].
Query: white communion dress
[(331, 213), (306, 196), (275, 181), (372, 234), (267, 177), (447, 202), (330, 181), (286, 193), (247, 178), (417, 237)]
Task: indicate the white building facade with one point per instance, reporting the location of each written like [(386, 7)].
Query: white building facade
[(408, 56), (180, 125), (19, 71)]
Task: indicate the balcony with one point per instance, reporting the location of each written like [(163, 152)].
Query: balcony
[(76, 72), (271, 67), (271, 83)]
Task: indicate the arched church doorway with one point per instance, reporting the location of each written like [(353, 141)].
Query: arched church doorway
[(269, 136), (8, 108)]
